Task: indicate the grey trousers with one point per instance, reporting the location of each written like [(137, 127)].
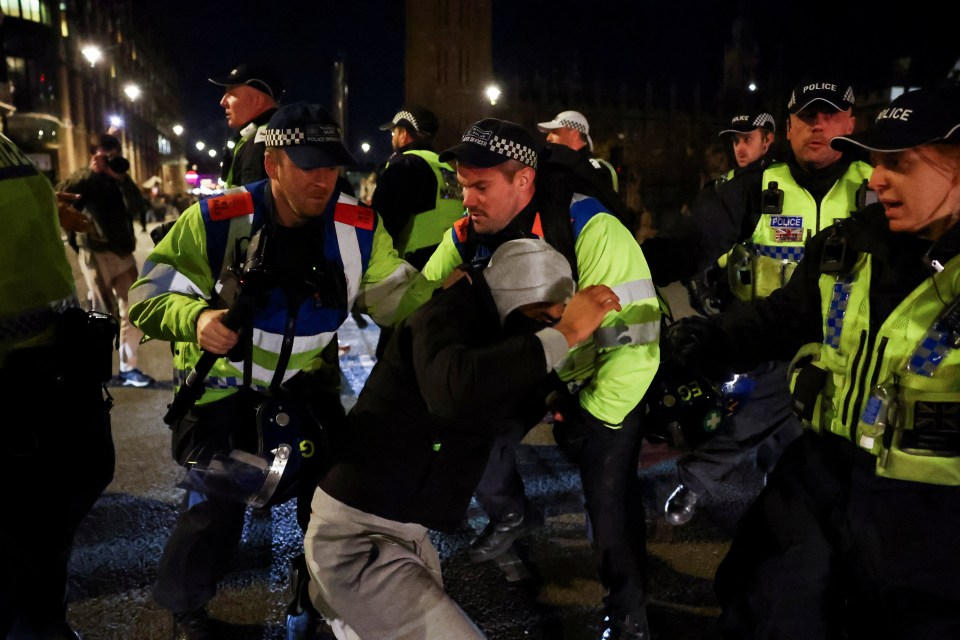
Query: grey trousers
[(377, 579)]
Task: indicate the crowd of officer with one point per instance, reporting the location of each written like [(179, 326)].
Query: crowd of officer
[(827, 281)]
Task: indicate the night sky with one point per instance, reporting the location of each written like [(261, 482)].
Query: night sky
[(678, 40)]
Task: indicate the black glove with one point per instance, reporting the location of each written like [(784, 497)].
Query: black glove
[(569, 427), (698, 344)]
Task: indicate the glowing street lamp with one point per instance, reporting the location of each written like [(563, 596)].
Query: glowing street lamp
[(365, 147), (92, 53), (115, 121), (178, 129), (493, 93), (132, 91), (201, 145), (212, 153)]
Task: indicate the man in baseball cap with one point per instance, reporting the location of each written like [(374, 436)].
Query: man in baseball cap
[(751, 133), (570, 129), (317, 252), (509, 194), (251, 95)]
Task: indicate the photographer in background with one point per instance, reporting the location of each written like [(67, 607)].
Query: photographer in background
[(112, 200)]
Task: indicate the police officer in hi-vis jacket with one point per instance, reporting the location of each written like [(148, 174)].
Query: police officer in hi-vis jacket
[(295, 253), (855, 534)]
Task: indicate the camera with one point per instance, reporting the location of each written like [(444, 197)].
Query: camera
[(118, 164)]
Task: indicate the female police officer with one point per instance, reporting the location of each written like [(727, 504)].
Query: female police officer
[(856, 531)]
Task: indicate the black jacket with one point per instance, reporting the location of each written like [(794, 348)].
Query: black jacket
[(420, 434), (247, 163), (112, 204)]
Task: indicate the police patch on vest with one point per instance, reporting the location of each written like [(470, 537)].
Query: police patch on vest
[(354, 215), (787, 228), (230, 205)]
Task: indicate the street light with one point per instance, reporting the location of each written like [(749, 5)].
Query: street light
[(200, 145), (132, 91), (92, 53), (115, 121), (752, 86), (365, 147), (177, 129), (212, 153), (493, 93)]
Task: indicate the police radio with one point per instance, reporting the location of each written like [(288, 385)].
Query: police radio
[(771, 200)]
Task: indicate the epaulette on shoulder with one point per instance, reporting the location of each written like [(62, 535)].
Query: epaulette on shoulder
[(232, 204), (349, 211), (460, 228)]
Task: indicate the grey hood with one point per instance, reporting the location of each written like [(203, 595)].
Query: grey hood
[(526, 271)]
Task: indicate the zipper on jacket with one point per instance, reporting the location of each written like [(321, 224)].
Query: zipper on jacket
[(853, 374)]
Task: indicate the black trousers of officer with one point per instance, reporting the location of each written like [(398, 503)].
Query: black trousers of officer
[(830, 549), (613, 500), (66, 438)]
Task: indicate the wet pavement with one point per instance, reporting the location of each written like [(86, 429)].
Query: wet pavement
[(549, 591)]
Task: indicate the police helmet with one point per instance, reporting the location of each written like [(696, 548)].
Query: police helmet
[(681, 408)]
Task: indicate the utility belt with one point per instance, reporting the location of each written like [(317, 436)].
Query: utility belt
[(82, 351), (252, 447)]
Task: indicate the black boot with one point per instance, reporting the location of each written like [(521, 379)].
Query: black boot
[(497, 536), (303, 621)]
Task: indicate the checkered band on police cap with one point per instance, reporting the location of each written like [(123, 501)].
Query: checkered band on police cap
[(310, 134), (490, 142), (514, 150), (409, 117), (747, 122)]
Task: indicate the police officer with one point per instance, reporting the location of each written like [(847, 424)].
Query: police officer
[(571, 129), (251, 96), (855, 532), (305, 252), (417, 196), (47, 343), (605, 378), (815, 187), (751, 134)]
